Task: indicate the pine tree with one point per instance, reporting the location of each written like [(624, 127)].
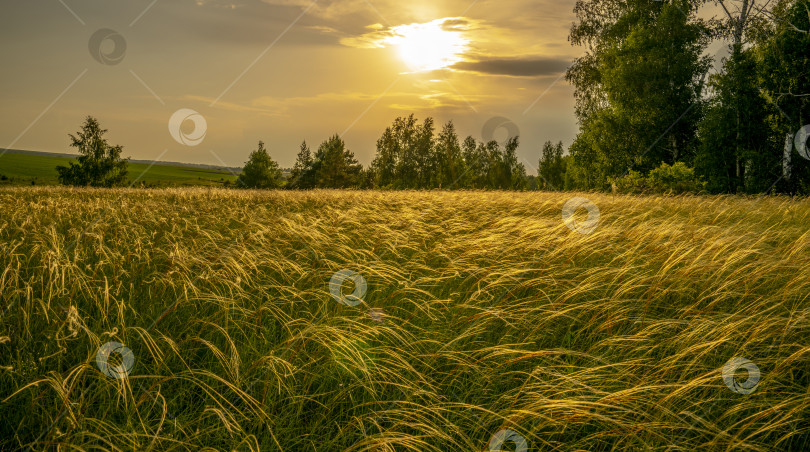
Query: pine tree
[(260, 171), (99, 163), (302, 175), (335, 166)]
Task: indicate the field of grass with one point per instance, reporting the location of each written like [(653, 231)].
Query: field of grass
[(22, 169), (484, 315)]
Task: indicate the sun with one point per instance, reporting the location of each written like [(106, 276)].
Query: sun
[(428, 46)]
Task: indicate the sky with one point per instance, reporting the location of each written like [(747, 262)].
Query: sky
[(202, 81)]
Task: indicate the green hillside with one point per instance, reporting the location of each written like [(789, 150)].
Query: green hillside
[(23, 169)]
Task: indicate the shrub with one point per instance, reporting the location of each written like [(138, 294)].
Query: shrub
[(675, 179), (633, 182)]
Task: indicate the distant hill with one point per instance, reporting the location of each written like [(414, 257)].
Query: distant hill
[(21, 167), (234, 169)]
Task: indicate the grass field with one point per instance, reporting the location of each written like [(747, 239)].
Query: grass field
[(22, 169), (484, 315)]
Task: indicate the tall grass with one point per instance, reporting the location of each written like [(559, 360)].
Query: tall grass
[(495, 316)]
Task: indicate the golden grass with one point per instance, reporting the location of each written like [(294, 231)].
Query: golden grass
[(495, 315)]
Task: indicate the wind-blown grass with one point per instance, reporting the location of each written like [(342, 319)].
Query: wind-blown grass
[(496, 316)]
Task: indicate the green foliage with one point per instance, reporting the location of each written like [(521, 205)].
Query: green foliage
[(410, 156), (640, 101), (676, 179), (669, 179), (784, 60), (735, 153), (406, 155), (450, 164), (511, 174), (638, 87), (633, 182), (334, 166), (552, 166), (302, 176), (99, 163), (260, 171)]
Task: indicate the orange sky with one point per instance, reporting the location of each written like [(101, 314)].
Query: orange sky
[(281, 71)]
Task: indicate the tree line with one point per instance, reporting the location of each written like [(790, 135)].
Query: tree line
[(411, 155), (646, 97)]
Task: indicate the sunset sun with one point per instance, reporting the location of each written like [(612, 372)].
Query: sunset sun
[(428, 46)]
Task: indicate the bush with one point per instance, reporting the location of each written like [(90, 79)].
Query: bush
[(633, 182), (675, 179)]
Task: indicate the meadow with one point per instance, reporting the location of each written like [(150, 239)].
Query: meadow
[(485, 315), (40, 169)]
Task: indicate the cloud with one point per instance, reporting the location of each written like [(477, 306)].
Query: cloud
[(460, 24), (378, 36), (326, 9), (488, 49), (261, 106), (515, 67), (280, 106), (436, 99)]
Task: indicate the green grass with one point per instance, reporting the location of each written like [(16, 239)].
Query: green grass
[(41, 169), (495, 316)]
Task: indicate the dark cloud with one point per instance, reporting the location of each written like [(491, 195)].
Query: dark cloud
[(459, 23), (516, 67)]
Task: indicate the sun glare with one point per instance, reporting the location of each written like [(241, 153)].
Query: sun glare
[(428, 46)]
